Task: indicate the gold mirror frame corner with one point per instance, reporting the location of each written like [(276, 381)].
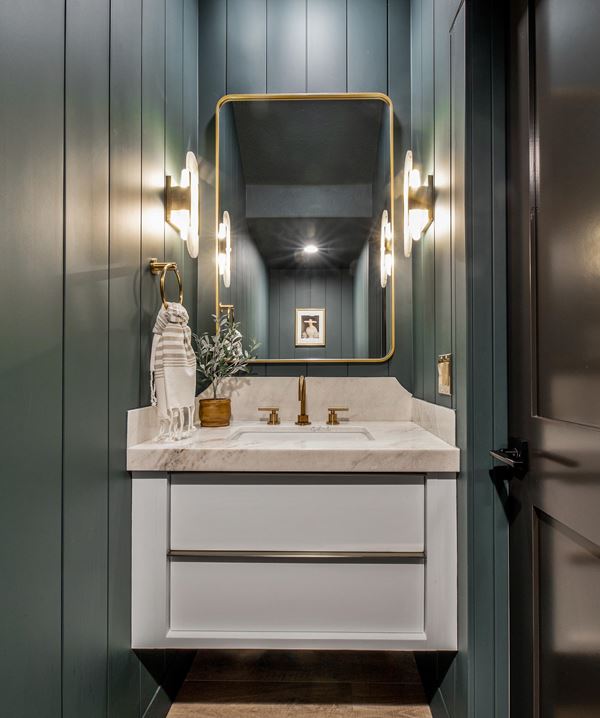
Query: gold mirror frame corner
[(224, 100)]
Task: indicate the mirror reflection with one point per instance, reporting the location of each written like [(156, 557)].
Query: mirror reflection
[(304, 217)]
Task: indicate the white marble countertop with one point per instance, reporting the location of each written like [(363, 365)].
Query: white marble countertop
[(253, 446)]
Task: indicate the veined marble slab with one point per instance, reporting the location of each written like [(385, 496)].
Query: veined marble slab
[(367, 399), (368, 446)]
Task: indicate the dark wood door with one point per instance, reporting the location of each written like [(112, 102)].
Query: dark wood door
[(554, 319)]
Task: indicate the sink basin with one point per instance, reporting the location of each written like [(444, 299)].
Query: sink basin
[(264, 435)]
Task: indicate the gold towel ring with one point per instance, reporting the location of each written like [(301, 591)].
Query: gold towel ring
[(163, 268)]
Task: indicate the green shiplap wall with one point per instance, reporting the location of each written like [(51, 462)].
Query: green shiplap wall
[(99, 102), (255, 46), (249, 286), (459, 279)]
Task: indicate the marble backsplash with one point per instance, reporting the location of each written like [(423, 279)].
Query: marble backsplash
[(368, 399)]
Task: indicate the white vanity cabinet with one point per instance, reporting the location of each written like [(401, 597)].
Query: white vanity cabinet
[(289, 560)]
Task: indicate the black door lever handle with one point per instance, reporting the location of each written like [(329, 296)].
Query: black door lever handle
[(512, 457), (515, 455)]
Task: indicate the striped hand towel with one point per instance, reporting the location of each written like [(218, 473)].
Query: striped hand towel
[(173, 372)]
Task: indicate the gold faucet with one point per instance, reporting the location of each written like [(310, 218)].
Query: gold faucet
[(303, 419)]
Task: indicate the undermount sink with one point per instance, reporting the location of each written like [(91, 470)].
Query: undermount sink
[(312, 434)]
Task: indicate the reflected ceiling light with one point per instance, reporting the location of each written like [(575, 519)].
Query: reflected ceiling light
[(386, 249), (182, 204), (418, 204), (311, 249), (224, 249)]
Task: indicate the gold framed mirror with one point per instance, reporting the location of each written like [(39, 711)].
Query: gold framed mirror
[(304, 258)]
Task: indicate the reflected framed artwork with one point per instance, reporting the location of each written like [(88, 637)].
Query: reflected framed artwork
[(310, 327)]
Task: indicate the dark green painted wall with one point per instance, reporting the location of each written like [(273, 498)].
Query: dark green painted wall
[(459, 278), (249, 286), (328, 289), (99, 102), (254, 46)]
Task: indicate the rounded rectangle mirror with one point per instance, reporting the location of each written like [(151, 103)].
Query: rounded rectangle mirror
[(305, 224)]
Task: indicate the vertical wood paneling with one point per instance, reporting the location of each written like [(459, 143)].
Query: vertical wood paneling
[(417, 251), (367, 46), (190, 136), (332, 299), (85, 490), (153, 172), (425, 160), (286, 45), (246, 46), (77, 280), (174, 142), (443, 178), (399, 86), (212, 43), (31, 207), (124, 337), (326, 46)]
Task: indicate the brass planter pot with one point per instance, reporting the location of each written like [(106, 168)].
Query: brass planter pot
[(215, 412)]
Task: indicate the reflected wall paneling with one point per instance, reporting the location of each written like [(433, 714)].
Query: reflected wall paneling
[(31, 206)]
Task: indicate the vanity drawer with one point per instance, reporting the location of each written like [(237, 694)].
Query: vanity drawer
[(386, 516), (279, 596)]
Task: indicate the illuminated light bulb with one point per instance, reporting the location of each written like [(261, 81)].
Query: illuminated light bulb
[(418, 219), (414, 179), (222, 260), (388, 231), (311, 249), (222, 233), (388, 263), (180, 218)]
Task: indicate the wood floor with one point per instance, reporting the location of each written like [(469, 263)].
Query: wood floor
[(278, 684)]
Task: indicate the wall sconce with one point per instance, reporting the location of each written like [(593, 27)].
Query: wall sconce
[(418, 204), (224, 249), (182, 204), (386, 249)]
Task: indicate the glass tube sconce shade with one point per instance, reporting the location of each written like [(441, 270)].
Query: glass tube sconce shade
[(386, 250), (224, 249)]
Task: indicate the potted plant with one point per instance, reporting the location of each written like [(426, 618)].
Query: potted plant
[(218, 357)]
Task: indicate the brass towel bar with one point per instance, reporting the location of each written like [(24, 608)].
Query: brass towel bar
[(162, 268)]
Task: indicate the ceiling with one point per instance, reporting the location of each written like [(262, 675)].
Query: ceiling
[(287, 144), (281, 240), (308, 142)]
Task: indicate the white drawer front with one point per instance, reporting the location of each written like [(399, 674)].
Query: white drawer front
[(298, 517), (343, 597)]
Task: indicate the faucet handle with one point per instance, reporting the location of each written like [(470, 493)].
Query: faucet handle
[(332, 419), (273, 419)]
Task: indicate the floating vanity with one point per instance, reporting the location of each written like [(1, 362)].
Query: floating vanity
[(285, 536)]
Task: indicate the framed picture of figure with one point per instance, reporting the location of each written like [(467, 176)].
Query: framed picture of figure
[(310, 327)]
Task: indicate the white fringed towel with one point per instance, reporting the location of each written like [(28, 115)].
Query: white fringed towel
[(173, 372)]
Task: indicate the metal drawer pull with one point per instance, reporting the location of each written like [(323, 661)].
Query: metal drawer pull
[(299, 555)]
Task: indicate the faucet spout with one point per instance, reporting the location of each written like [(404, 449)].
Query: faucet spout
[(303, 418)]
